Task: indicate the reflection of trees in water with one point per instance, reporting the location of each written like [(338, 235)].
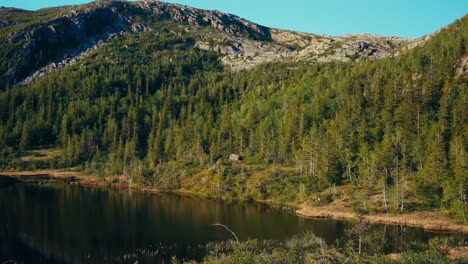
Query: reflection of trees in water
[(74, 223), (390, 238)]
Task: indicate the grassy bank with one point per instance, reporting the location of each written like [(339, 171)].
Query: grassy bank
[(308, 248), (334, 203), (305, 248)]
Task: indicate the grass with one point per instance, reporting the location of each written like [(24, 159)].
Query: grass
[(41, 155), (279, 185), (343, 206)]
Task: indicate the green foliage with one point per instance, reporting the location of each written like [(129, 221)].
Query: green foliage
[(360, 202), (306, 248), (154, 108), (428, 257)]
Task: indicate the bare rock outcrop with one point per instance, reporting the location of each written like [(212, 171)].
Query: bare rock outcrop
[(241, 53), (228, 23), (69, 37), (462, 68), (63, 38)]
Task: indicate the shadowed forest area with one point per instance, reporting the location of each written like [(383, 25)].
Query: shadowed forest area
[(152, 110)]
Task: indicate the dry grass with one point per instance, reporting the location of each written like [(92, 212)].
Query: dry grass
[(458, 252), (52, 173), (340, 208), (58, 174), (330, 212), (431, 221), (345, 196), (41, 155), (200, 182)]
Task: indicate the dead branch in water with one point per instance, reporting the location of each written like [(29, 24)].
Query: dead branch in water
[(218, 224)]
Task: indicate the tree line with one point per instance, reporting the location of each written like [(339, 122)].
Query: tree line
[(146, 102)]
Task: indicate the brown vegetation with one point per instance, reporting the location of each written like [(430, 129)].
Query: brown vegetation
[(431, 221), (339, 209)]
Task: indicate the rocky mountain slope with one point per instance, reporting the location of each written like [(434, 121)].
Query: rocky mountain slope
[(138, 99), (39, 42)]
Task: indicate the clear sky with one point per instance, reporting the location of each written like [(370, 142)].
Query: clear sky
[(411, 18)]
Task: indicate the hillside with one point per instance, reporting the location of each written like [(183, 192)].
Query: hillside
[(159, 95), (50, 39)]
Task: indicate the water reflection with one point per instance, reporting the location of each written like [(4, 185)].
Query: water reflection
[(57, 223)]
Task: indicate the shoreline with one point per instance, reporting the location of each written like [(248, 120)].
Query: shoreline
[(430, 221)]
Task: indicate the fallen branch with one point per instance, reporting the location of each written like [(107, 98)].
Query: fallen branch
[(218, 224)]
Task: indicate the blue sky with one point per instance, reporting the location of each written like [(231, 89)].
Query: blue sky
[(411, 18)]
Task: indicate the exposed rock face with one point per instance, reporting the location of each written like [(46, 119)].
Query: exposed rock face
[(247, 44), (462, 67), (70, 59), (230, 24), (64, 40), (245, 53), (353, 46), (296, 46)]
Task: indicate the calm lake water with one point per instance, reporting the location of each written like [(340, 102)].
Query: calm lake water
[(60, 223)]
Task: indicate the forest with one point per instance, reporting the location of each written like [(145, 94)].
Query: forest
[(158, 110)]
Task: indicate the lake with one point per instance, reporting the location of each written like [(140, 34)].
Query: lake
[(61, 223)]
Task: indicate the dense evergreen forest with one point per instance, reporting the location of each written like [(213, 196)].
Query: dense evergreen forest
[(157, 110)]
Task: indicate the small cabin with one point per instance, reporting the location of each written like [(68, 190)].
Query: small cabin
[(235, 157)]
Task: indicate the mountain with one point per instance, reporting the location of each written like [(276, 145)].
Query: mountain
[(49, 39), (160, 95)]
